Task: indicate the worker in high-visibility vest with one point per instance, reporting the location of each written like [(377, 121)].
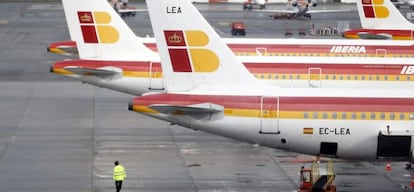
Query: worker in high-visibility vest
[(119, 176)]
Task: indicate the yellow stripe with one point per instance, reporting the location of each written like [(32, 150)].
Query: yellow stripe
[(342, 77), (329, 115), (327, 54)]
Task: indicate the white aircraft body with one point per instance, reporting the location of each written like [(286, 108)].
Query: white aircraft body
[(128, 66), (208, 89), (381, 20), (299, 10)]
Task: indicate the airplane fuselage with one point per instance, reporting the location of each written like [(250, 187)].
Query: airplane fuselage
[(318, 124)]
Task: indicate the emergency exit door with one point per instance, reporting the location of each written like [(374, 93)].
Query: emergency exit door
[(269, 115), (315, 77), (156, 78)]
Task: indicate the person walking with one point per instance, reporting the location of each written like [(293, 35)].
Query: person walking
[(118, 176)]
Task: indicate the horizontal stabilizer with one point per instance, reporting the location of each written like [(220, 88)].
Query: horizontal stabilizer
[(202, 108), (107, 73)]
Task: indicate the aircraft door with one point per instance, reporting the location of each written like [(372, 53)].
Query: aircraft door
[(156, 78), (269, 115), (381, 52), (315, 77), (261, 51), (412, 34)]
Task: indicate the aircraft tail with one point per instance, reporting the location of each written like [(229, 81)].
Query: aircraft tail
[(101, 33), (381, 14), (192, 53)]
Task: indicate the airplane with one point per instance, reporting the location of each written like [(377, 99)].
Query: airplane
[(380, 20), (208, 89), (299, 10), (285, 47), (280, 47), (249, 4), (136, 69)]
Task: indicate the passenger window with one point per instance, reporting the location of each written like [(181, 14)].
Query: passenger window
[(305, 115), (363, 116), (353, 115), (343, 115), (334, 115), (325, 115), (402, 116), (382, 115), (392, 116), (373, 115), (315, 115)]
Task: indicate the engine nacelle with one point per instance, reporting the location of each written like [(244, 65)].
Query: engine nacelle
[(294, 3)]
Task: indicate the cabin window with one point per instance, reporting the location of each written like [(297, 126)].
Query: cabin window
[(397, 77), (290, 77), (262, 76), (408, 77), (343, 115), (370, 77), (334, 115), (402, 116), (283, 76), (326, 76), (315, 115), (334, 77), (356, 77), (386, 77), (325, 115), (306, 115), (348, 77), (392, 116), (373, 115), (276, 76), (363, 77), (341, 77), (363, 115), (382, 115), (269, 76), (297, 76), (353, 115), (378, 78)]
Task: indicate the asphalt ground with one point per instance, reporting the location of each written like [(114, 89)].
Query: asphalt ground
[(60, 135)]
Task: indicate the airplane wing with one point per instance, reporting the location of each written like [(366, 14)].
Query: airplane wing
[(131, 10), (107, 73), (202, 108), (328, 11), (277, 11)]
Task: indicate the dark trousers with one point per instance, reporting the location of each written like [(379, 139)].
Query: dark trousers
[(118, 185)]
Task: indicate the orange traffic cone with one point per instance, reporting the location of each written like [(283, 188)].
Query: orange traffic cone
[(388, 167)]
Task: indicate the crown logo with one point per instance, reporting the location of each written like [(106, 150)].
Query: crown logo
[(85, 18), (174, 38)]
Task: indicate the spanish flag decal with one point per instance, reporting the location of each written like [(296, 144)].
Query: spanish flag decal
[(308, 131)]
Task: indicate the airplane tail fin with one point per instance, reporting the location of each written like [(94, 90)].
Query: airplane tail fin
[(192, 53), (381, 14), (101, 33)]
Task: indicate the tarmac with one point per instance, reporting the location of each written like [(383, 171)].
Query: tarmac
[(57, 134)]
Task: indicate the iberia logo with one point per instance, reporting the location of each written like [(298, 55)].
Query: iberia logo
[(95, 27), (375, 9), (187, 51)]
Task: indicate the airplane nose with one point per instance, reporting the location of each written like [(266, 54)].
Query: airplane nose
[(130, 106)]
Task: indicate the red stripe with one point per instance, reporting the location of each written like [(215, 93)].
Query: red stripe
[(125, 65), (273, 68), (286, 103), (275, 48)]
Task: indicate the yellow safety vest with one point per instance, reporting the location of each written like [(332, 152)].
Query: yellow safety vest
[(119, 173)]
